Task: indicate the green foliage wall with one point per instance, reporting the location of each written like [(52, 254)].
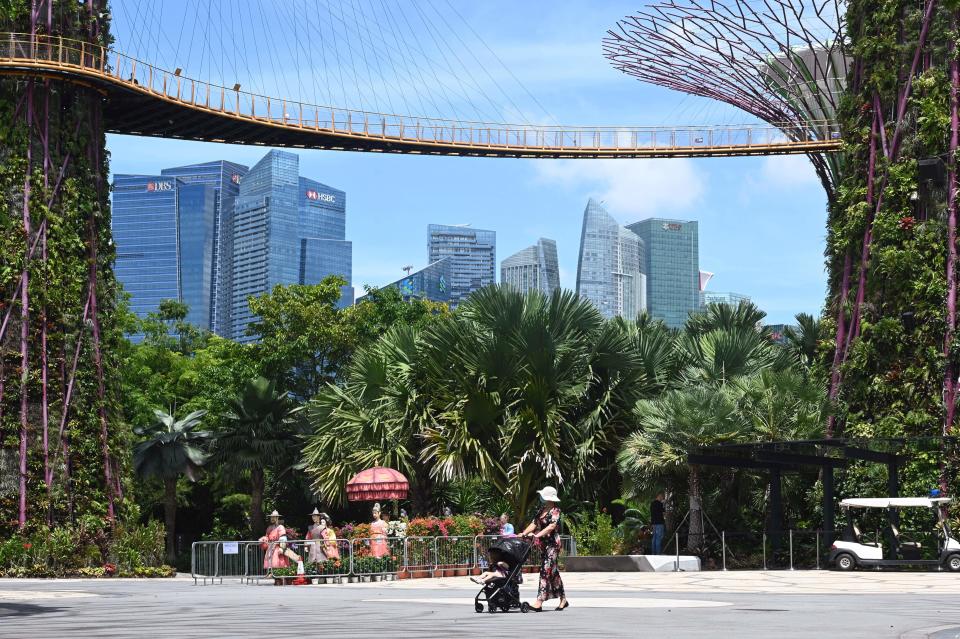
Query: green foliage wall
[(891, 373), (51, 137)]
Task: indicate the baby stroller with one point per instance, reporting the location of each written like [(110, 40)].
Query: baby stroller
[(504, 593)]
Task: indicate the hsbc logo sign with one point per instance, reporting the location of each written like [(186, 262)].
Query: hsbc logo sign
[(159, 186), (320, 197), (235, 178), (670, 226)]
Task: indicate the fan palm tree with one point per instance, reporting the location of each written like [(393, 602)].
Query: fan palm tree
[(372, 419), (804, 339), (172, 448), (668, 428), (525, 389), (258, 435)]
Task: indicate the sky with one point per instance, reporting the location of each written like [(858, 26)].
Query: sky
[(762, 220)]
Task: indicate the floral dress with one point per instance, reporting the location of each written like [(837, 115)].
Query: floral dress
[(551, 586)]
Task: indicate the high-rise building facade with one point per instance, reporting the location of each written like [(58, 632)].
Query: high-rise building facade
[(730, 299), (535, 268), (430, 283), (286, 230), (145, 231), (672, 268), (224, 179), (324, 249), (609, 268), (473, 254)]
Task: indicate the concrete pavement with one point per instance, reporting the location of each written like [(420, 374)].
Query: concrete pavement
[(866, 605)]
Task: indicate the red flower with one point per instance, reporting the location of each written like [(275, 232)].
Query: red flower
[(28, 546), (109, 569), (907, 222)]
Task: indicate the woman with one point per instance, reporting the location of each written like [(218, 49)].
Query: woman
[(543, 530)]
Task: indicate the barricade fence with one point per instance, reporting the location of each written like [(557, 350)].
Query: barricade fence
[(332, 560)]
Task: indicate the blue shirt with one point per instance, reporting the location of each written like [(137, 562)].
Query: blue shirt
[(507, 529)]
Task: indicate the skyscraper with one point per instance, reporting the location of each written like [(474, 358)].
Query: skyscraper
[(473, 254), (145, 232), (430, 282), (672, 268), (730, 299), (224, 178), (609, 271), (533, 268), (286, 230)]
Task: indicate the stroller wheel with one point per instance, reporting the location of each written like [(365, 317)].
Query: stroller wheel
[(524, 607), (478, 607), (505, 608)]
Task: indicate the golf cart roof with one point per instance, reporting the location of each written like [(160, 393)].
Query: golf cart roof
[(894, 502)]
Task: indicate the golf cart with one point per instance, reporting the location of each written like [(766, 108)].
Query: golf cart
[(854, 549)]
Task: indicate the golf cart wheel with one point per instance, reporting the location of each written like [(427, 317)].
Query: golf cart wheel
[(952, 563), (845, 562), (478, 607), (524, 607)]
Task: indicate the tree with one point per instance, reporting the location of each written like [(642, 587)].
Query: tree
[(257, 435), (172, 448), (804, 340), (668, 428), (383, 308), (302, 339), (372, 419), (525, 389)]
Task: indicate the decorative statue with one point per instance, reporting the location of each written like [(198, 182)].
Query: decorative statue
[(326, 547), (447, 512), (403, 514), (275, 543), (378, 534)]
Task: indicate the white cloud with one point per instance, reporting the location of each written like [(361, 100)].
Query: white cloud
[(788, 171), (630, 187)]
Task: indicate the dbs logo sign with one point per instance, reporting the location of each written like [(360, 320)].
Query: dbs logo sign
[(159, 186)]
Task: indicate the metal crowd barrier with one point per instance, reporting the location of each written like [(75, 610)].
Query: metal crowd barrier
[(376, 557), (332, 560)]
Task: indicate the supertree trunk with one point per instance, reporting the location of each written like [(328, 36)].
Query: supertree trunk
[(59, 324), (950, 372)]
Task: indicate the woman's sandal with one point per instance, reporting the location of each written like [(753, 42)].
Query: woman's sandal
[(563, 606)]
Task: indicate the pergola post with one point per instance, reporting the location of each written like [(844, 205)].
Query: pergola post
[(776, 508), (828, 505)]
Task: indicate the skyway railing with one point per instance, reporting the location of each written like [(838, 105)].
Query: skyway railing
[(23, 53)]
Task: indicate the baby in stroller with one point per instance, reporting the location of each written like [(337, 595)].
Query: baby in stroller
[(499, 569), (501, 584)]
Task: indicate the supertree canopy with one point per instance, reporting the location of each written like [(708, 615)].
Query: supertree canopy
[(782, 61), (61, 452), (885, 72)]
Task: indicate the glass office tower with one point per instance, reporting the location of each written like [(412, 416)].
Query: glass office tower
[(473, 254), (535, 268), (144, 224), (672, 267), (609, 269), (224, 178), (730, 299), (286, 230), (430, 282), (324, 249)]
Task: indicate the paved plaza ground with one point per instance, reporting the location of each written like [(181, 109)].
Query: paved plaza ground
[(868, 605)]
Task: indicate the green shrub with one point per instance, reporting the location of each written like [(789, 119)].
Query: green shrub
[(595, 534)]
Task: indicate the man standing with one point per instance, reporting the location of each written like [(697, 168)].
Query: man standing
[(658, 523)]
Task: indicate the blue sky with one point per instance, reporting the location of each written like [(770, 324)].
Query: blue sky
[(762, 220)]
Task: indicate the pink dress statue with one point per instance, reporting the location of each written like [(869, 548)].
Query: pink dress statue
[(274, 557), (378, 538)]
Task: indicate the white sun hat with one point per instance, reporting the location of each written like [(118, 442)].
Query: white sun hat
[(549, 493), (316, 512), (274, 514)]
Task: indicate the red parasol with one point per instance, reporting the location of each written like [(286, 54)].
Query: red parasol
[(377, 483)]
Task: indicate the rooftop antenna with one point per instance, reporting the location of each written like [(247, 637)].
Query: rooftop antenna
[(407, 268)]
